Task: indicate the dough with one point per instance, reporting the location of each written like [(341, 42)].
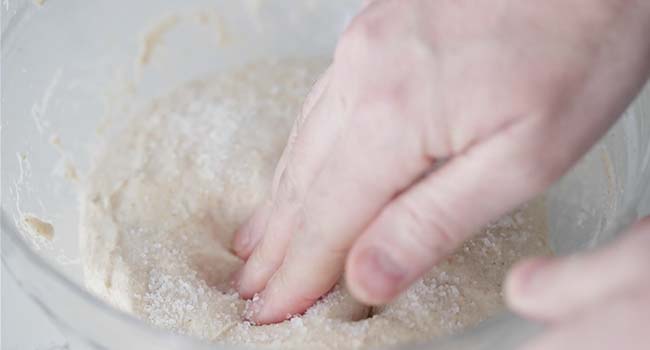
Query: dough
[(166, 193), (38, 227)]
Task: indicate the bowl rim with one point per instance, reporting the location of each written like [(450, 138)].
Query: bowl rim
[(27, 255)]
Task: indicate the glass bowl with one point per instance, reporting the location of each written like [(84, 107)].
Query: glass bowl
[(65, 62)]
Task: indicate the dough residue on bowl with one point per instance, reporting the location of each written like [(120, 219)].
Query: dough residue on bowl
[(38, 227)]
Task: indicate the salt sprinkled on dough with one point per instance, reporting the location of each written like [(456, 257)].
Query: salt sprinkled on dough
[(253, 306), (166, 194)]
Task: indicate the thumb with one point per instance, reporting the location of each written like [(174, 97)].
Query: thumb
[(418, 228), (549, 289)]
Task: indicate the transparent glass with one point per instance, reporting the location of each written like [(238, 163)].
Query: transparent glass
[(57, 62)]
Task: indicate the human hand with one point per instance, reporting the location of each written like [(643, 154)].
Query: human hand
[(500, 97), (597, 300)]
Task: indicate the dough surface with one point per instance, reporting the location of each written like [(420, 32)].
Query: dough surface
[(167, 192)]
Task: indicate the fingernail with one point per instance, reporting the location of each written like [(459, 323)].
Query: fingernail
[(379, 274)]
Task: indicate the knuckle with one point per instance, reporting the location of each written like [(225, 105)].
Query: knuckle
[(362, 29), (393, 98), (364, 32), (383, 21)]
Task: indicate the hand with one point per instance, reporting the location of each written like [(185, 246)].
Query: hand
[(598, 300), (500, 98)]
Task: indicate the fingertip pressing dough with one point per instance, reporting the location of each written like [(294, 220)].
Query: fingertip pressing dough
[(167, 192)]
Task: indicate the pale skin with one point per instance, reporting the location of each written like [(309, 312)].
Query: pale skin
[(597, 300), (436, 117)]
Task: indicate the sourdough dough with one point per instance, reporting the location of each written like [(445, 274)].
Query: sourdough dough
[(166, 193)]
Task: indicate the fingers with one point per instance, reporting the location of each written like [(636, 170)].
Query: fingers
[(428, 221), (377, 154), (294, 288), (551, 289), (269, 252), (312, 146), (248, 236), (250, 233), (615, 324), (365, 169), (312, 99)]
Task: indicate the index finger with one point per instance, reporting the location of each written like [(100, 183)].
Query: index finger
[(368, 166)]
